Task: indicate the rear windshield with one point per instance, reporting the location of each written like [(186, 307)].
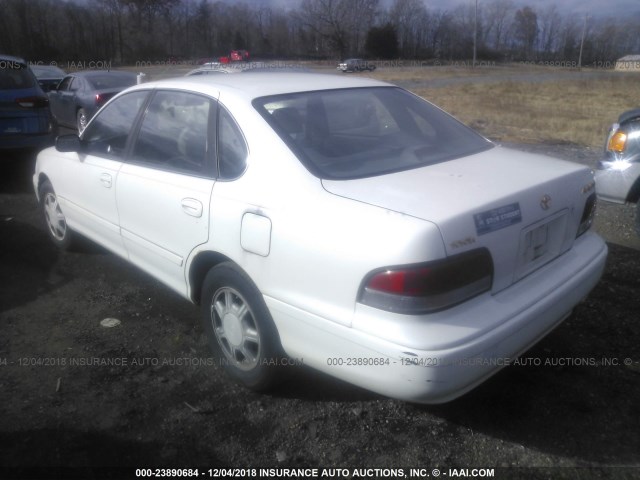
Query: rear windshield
[(104, 82), (15, 76), (364, 132)]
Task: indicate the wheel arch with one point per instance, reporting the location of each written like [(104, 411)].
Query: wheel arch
[(200, 266), (42, 177)]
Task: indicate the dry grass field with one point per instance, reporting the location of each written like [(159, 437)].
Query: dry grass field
[(567, 109)]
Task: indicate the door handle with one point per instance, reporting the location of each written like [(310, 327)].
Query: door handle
[(106, 180), (192, 207)]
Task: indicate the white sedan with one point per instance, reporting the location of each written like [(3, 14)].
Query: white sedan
[(342, 222)]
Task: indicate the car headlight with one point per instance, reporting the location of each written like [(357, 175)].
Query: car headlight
[(617, 142), (617, 165)]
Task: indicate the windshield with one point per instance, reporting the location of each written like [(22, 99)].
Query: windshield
[(364, 132)]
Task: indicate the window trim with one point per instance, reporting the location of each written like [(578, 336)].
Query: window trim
[(212, 158), (134, 126), (242, 135)]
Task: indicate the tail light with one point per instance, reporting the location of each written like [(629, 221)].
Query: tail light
[(587, 215), (99, 99), (431, 286), (33, 102)]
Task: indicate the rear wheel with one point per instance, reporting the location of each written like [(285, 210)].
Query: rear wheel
[(54, 218), (239, 328), (637, 219)]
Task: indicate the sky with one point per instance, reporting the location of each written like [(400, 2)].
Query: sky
[(596, 8), (580, 7)]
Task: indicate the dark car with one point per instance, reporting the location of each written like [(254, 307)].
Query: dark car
[(356, 65), (80, 95), (618, 174), (49, 76), (25, 118)]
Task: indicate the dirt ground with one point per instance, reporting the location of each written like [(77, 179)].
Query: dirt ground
[(83, 401)]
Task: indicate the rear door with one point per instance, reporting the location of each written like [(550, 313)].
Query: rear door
[(164, 190), (63, 100)]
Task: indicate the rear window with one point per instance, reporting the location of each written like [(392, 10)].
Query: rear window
[(15, 76), (104, 82), (365, 132)]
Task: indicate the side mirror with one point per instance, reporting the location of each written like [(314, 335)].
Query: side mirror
[(68, 143)]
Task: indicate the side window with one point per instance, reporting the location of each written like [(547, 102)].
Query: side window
[(232, 149), (65, 83), (107, 134), (76, 84), (175, 132)]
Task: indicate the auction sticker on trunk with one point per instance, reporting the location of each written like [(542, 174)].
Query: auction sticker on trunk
[(497, 218)]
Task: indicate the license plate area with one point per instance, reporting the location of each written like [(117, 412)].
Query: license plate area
[(11, 126), (540, 243)]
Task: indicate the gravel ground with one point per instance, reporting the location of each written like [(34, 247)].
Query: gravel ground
[(569, 411)]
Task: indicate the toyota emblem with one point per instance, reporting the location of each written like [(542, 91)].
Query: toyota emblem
[(545, 202)]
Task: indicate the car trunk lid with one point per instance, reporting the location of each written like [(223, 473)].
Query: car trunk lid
[(524, 208)]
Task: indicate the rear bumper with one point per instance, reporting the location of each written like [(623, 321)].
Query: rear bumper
[(520, 316)]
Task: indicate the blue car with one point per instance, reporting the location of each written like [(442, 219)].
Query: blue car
[(81, 94), (25, 119)]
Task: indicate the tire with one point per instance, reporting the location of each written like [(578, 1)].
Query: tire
[(57, 229), (637, 219), (239, 328), (81, 120)]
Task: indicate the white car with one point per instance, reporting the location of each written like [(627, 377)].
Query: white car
[(618, 173), (342, 222)]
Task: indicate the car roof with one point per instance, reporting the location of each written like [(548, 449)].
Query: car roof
[(39, 70), (90, 73), (259, 84), (10, 58), (212, 69)]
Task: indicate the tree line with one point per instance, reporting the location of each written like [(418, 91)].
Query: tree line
[(130, 31)]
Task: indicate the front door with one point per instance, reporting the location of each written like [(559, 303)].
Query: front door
[(90, 183)]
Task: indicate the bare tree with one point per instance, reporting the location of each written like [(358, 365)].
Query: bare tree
[(408, 18), (130, 30), (498, 16), (114, 11), (442, 34), (342, 22), (526, 30), (550, 24)]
